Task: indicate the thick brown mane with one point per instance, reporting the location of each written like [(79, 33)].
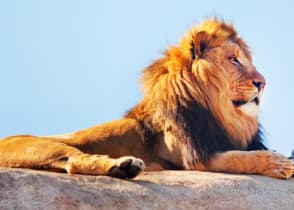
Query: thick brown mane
[(178, 79)]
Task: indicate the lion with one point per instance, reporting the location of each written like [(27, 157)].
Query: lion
[(199, 111)]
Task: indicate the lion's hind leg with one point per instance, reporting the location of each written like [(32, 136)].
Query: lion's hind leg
[(43, 153), (253, 162)]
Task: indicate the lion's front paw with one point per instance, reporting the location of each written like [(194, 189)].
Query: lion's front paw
[(275, 165), (127, 167)]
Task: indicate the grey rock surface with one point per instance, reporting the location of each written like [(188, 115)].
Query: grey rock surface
[(29, 190)]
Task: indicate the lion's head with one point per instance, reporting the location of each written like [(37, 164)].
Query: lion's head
[(212, 66)]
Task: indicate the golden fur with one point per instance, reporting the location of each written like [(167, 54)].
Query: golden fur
[(199, 112)]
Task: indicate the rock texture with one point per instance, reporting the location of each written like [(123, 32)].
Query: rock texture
[(28, 189)]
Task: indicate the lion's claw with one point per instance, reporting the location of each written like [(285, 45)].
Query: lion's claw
[(276, 165)]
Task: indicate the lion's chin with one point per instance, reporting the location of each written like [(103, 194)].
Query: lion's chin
[(250, 108)]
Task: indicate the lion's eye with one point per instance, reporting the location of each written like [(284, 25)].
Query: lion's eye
[(234, 61)]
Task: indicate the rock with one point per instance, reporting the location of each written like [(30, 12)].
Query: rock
[(29, 190)]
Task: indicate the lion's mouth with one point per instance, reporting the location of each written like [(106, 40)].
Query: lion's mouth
[(239, 103)]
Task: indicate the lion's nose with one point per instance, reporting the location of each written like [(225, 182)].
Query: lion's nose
[(259, 84)]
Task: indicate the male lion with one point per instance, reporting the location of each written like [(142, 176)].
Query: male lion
[(199, 112)]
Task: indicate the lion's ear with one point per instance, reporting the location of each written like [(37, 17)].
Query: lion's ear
[(201, 41)]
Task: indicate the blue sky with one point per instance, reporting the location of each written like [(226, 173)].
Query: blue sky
[(67, 65)]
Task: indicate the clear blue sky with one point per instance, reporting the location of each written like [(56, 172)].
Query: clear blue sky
[(67, 65)]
